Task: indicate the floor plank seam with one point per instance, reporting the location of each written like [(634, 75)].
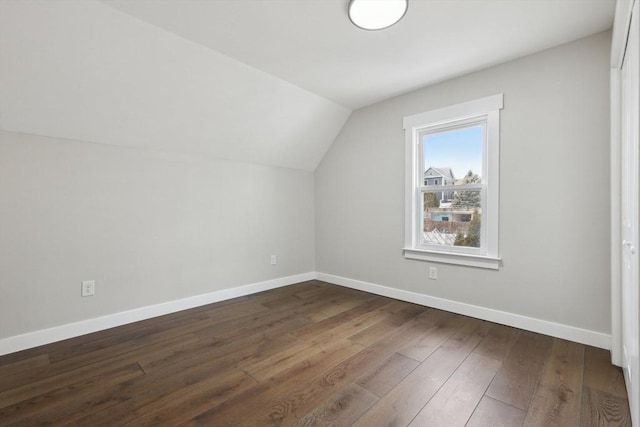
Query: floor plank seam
[(141, 368), (443, 382), (539, 377), (502, 401), (582, 387), (249, 375)]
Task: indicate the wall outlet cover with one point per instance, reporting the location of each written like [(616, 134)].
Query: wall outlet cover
[(88, 288)]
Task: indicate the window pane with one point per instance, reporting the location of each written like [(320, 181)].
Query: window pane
[(453, 157), (454, 223)]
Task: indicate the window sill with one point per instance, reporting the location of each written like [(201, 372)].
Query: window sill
[(491, 263)]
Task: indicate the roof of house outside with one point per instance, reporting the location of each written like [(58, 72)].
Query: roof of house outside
[(444, 171)]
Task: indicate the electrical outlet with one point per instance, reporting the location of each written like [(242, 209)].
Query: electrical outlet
[(274, 260), (88, 288), (433, 273)]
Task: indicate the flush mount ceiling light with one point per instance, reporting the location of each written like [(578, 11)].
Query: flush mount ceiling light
[(376, 14)]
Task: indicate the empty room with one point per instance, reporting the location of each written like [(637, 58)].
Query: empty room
[(319, 212)]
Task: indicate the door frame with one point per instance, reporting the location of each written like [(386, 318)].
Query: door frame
[(622, 21), (624, 17)]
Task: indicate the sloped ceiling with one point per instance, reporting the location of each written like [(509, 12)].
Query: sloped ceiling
[(263, 81), (83, 70), (312, 43)]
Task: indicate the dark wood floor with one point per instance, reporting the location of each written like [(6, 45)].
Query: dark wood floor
[(313, 354)]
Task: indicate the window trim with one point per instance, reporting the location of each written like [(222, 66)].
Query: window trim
[(488, 109)]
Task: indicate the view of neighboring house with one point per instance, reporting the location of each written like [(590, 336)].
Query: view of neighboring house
[(440, 176), (448, 215)]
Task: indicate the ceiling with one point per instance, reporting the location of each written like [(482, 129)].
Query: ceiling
[(269, 82), (312, 44)]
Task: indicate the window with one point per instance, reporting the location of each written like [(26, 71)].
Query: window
[(457, 221)]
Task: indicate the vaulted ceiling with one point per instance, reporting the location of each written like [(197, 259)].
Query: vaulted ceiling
[(312, 43), (263, 81)]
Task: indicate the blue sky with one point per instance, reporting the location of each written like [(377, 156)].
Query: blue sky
[(460, 149)]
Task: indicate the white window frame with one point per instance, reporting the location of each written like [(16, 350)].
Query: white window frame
[(487, 112)]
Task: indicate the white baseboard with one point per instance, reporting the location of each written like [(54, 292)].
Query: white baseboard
[(58, 333), (571, 333)]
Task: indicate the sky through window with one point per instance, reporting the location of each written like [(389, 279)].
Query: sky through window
[(459, 149)]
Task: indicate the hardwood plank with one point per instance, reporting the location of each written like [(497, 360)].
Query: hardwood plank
[(600, 374), (265, 298), (344, 309), (166, 328), (124, 354), (604, 409), (143, 392), (68, 415), (433, 336), (119, 331), (24, 365), (493, 413), (389, 321), (470, 333), (403, 402), (234, 311), (263, 397), (187, 402), (498, 342), (64, 396), (387, 375), (316, 291), (338, 306), (125, 398), (290, 301), (34, 388), (277, 293), (95, 350), (263, 368), (295, 402), (325, 326), (286, 299), (558, 396), (7, 359), (516, 380), (227, 352), (454, 403), (388, 324), (125, 349), (248, 324), (155, 322), (285, 402), (341, 409)]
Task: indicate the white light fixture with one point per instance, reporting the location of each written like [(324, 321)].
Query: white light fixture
[(376, 14)]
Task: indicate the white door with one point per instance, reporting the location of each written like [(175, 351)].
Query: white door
[(630, 193)]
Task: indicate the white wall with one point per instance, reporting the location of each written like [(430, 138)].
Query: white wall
[(151, 225), (148, 226), (554, 194), (127, 184)]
